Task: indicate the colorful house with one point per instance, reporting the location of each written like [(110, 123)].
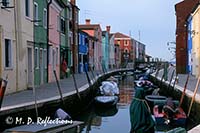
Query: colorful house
[(105, 50), (8, 46), (65, 38), (194, 39), (140, 51), (54, 40), (183, 9), (83, 52), (189, 47), (111, 62), (40, 42), (74, 34), (95, 31), (125, 44)]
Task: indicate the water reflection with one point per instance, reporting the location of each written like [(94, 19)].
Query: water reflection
[(101, 120)]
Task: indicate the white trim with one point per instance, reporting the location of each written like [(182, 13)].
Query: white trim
[(36, 66), (35, 15), (44, 17), (57, 7)]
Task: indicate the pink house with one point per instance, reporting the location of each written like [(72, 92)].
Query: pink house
[(54, 40)]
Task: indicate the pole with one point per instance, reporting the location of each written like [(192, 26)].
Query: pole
[(195, 91), (58, 85), (77, 92), (183, 93)]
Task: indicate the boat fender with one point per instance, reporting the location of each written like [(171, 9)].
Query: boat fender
[(61, 114)]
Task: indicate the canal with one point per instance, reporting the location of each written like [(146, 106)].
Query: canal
[(116, 119), (112, 120)]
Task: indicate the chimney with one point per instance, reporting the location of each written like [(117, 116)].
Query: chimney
[(87, 21), (73, 2), (108, 29)]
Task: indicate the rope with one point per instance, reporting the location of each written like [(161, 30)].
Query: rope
[(144, 101)]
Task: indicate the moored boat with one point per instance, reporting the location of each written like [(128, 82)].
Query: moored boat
[(106, 101)]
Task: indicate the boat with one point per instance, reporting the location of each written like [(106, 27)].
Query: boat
[(166, 111), (106, 112), (106, 101), (109, 88)]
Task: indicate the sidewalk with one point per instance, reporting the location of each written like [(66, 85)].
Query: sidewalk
[(45, 91), (181, 79)]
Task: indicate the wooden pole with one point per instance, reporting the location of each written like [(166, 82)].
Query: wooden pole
[(75, 84), (58, 85), (88, 78), (195, 91), (183, 93)]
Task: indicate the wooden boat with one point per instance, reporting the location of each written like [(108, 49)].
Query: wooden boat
[(51, 128), (175, 117), (106, 101)]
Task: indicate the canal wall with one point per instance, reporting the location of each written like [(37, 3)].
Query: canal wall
[(47, 107), (176, 93)]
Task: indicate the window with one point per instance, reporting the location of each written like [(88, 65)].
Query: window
[(5, 3), (118, 42), (36, 13), (125, 43), (45, 18), (62, 25), (27, 7), (50, 55), (36, 56), (8, 53), (45, 58), (57, 58)]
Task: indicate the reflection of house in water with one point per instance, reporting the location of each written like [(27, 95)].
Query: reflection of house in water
[(126, 95)]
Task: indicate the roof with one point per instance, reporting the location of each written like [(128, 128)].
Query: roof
[(120, 35), (90, 26)]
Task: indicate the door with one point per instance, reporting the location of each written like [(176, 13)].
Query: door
[(30, 68), (41, 67)]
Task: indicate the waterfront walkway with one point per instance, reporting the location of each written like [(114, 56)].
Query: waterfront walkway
[(45, 91)]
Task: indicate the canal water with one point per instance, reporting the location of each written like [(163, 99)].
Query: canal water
[(116, 119), (112, 120)]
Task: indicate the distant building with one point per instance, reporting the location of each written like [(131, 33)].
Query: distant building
[(183, 9), (105, 49), (111, 51), (125, 43), (94, 30), (140, 51), (83, 51)]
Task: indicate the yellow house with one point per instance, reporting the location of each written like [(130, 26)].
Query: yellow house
[(16, 43), (8, 45), (196, 42)]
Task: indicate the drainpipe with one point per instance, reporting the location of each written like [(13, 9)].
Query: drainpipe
[(48, 5), (16, 42)]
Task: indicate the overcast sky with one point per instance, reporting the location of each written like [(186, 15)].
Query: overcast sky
[(155, 20)]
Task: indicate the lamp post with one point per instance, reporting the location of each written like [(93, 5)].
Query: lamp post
[(48, 5)]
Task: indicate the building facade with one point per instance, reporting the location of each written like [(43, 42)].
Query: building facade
[(183, 9), (105, 49), (125, 43), (8, 46), (54, 40), (40, 42), (112, 64), (94, 30), (83, 52)]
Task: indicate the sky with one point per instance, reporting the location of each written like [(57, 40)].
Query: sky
[(152, 22)]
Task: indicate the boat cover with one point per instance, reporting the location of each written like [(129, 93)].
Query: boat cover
[(140, 115)]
